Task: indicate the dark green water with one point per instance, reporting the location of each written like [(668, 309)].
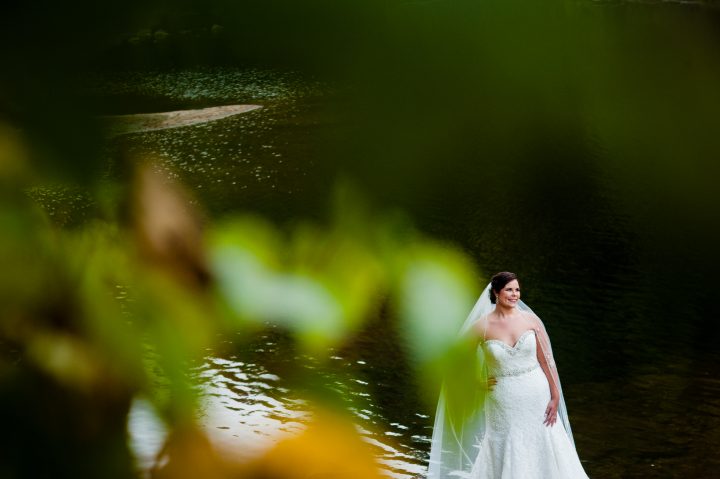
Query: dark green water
[(624, 290)]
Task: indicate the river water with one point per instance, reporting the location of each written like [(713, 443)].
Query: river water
[(625, 295)]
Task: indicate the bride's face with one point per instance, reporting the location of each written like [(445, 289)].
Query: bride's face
[(509, 295)]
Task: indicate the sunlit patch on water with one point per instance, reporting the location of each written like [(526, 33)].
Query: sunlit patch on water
[(243, 410), (257, 160), (147, 433), (246, 410)]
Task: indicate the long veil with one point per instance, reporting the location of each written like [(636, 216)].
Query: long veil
[(460, 425)]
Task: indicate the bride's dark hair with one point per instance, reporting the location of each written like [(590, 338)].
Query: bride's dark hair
[(498, 282)]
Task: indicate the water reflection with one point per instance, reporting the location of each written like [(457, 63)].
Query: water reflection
[(246, 409), (260, 160), (640, 425), (243, 408), (147, 434)]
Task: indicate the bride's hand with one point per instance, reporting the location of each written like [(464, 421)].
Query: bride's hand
[(551, 412), (491, 382)]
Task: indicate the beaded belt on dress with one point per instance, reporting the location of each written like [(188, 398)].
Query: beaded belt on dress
[(518, 372)]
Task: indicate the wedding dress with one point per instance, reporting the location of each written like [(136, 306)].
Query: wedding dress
[(516, 443), (501, 434)]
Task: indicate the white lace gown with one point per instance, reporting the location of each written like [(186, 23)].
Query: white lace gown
[(517, 445)]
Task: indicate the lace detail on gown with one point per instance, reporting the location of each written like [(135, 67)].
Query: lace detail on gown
[(517, 445)]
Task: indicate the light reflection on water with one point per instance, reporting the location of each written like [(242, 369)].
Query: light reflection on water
[(147, 433), (243, 409), (246, 410)]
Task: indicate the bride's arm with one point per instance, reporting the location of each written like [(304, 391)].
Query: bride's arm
[(544, 357), (554, 393), (478, 331)]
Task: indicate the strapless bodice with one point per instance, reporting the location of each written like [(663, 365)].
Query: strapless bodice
[(503, 360)]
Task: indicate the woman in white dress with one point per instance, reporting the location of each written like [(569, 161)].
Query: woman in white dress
[(511, 430)]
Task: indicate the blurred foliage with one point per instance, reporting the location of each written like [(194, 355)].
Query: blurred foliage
[(328, 447), (107, 310)]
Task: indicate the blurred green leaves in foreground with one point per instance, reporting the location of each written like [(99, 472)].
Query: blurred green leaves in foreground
[(122, 305)]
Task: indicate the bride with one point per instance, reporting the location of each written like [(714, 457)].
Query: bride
[(511, 429)]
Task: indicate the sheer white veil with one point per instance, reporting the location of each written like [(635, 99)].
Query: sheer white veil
[(460, 426)]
